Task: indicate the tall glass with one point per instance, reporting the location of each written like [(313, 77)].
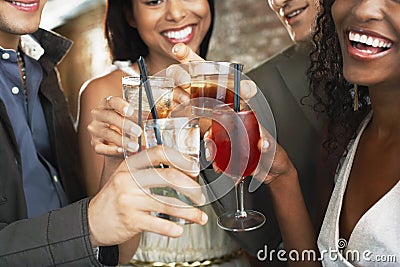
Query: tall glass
[(162, 90), (182, 134), (235, 136)]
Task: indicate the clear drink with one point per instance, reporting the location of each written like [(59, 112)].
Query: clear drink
[(162, 89), (181, 134)]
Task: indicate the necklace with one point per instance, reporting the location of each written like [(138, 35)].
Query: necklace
[(21, 64)]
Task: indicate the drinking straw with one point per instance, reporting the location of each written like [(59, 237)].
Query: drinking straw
[(140, 105), (236, 87), (145, 80)]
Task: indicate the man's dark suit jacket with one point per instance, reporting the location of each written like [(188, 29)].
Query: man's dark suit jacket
[(282, 80)]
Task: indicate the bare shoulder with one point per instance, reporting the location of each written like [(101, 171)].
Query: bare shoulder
[(99, 87)]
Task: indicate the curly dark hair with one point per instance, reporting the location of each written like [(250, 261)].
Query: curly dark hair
[(333, 94), (125, 42)]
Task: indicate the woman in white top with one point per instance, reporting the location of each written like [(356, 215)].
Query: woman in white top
[(150, 29), (357, 55)]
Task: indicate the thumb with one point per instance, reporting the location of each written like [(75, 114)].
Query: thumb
[(184, 54)]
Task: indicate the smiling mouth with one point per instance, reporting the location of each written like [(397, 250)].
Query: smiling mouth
[(294, 13), (369, 44), (25, 5), (179, 35)]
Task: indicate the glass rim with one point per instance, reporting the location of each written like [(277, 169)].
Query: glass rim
[(229, 108), (224, 63), (135, 80), (173, 119)]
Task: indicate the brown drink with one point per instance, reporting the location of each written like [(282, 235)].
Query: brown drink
[(211, 85)]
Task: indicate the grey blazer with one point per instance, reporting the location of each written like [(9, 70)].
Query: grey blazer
[(282, 80)]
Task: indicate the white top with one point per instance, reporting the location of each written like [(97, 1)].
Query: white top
[(197, 242), (375, 240)]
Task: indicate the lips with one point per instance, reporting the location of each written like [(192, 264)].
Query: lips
[(368, 45), (179, 36), (27, 6), (294, 13)]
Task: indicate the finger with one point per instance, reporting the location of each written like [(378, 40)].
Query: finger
[(117, 103), (266, 142), (149, 223), (158, 155), (184, 54), (209, 146), (248, 89), (107, 150), (169, 177), (209, 150), (110, 117), (181, 96), (176, 208), (180, 76)]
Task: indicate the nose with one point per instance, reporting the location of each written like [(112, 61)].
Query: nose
[(176, 10), (369, 10)]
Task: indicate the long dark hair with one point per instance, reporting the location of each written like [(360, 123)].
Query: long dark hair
[(125, 42), (328, 85)]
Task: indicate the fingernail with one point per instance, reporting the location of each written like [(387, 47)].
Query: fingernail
[(195, 166), (133, 146), (128, 110), (265, 145), (120, 149), (203, 199), (204, 218), (207, 152), (177, 230), (180, 51), (137, 131)]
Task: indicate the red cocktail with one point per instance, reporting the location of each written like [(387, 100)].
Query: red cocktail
[(236, 136), (236, 154)]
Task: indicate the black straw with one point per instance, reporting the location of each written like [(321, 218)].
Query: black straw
[(145, 80), (236, 86), (140, 122)]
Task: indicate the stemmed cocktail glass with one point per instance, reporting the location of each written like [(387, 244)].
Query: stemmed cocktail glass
[(235, 136)]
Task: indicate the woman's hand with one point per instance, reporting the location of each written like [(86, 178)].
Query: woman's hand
[(109, 119), (274, 161)]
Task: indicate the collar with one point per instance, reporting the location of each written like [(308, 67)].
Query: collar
[(43, 43), (54, 45), (31, 47)]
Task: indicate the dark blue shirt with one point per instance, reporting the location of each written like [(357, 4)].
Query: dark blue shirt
[(30, 130)]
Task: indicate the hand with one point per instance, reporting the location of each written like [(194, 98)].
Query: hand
[(274, 161), (112, 115), (121, 210)]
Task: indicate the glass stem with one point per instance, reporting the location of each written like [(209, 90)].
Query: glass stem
[(240, 211)]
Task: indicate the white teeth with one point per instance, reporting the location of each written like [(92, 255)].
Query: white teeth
[(357, 37), (368, 40), (294, 13), (375, 43), (179, 34), (23, 4), (363, 39)]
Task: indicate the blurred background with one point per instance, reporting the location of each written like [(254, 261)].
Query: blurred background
[(245, 31)]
